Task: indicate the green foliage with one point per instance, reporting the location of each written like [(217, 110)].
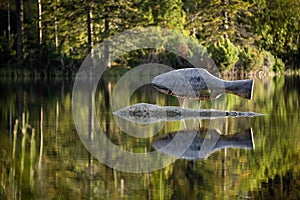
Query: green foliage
[(224, 53), (212, 20), (174, 14), (279, 65), (277, 25), (251, 58), (6, 54), (269, 60)]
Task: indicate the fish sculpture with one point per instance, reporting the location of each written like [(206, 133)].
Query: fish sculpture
[(199, 84), (144, 113), (195, 151)]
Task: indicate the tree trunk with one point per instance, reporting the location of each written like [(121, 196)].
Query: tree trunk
[(20, 30), (40, 21), (55, 26), (89, 26), (106, 46), (225, 13), (8, 25)]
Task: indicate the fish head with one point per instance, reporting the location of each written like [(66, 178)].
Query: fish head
[(176, 83), (164, 83)]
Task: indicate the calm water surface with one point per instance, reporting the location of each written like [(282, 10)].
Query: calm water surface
[(42, 157)]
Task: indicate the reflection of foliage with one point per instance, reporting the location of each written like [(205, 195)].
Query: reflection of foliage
[(280, 187), (68, 171)]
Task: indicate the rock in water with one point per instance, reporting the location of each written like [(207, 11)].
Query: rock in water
[(198, 83), (144, 113)]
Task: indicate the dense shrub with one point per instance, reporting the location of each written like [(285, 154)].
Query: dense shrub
[(251, 58), (279, 65), (271, 63), (269, 60), (224, 53)]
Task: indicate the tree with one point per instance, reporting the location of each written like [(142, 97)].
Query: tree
[(20, 30), (213, 19), (277, 25), (64, 31)]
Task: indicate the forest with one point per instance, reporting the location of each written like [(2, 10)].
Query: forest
[(52, 37)]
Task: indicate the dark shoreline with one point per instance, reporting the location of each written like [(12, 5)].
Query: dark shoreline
[(116, 72)]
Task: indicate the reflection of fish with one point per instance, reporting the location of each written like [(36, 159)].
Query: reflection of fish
[(198, 83), (143, 113), (242, 140)]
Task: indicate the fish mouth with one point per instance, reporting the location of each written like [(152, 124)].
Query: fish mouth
[(162, 88)]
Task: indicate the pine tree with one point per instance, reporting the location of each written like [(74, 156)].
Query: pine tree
[(213, 19)]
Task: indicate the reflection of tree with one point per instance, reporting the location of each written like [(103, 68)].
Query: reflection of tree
[(277, 144), (69, 171), (284, 186)]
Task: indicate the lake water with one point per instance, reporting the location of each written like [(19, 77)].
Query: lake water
[(43, 157)]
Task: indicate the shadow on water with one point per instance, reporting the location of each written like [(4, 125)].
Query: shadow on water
[(43, 157)]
